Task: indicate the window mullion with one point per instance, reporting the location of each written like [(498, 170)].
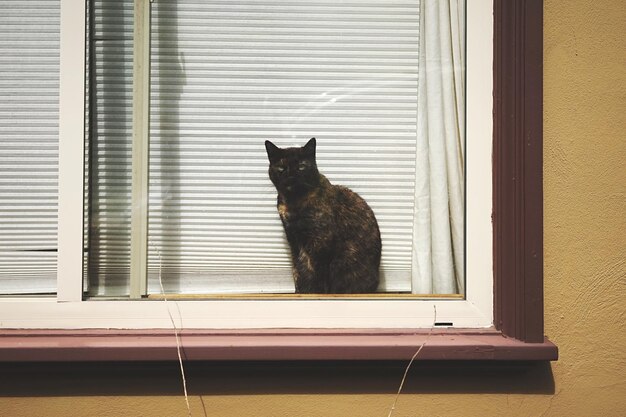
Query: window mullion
[(71, 150), (140, 150)]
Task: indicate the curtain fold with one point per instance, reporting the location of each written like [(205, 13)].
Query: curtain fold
[(438, 250)]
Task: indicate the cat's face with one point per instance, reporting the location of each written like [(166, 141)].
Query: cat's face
[(293, 170)]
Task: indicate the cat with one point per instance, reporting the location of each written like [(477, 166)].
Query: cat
[(332, 232)]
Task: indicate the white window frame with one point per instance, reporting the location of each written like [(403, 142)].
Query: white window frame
[(68, 310)]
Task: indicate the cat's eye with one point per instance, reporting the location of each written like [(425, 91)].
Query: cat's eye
[(301, 167), (280, 169)]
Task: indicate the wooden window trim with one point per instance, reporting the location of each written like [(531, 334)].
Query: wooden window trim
[(518, 255), (274, 345), (518, 169)]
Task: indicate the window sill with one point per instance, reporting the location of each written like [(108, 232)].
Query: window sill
[(373, 344)]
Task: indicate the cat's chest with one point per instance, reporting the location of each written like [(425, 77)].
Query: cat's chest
[(305, 217), (283, 212)]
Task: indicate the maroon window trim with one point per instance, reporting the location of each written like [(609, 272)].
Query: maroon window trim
[(518, 169), (518, 255), (160, 345)]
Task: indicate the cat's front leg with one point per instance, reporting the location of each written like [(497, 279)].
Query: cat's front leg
[(311, 271), (308, 273)]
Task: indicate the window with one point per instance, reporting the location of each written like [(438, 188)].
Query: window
[(473, 312), (29, 87), (226, 77)]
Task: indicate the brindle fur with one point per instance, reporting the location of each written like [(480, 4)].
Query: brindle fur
[(332, 232)]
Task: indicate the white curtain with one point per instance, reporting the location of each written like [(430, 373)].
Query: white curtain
[(438, 250)]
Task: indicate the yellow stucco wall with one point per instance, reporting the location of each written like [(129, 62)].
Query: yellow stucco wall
[(585, 282)]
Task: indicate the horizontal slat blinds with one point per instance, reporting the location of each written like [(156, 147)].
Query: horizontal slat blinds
[(29, 91), (226, 76), (111, 77)]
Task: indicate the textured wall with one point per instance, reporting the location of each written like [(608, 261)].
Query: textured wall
[(585, 280), (585, 203)]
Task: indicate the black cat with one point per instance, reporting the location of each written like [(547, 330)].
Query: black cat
[(332, 232)]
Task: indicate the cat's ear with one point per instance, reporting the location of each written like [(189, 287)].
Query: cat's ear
[(272, 150), (309, 148)]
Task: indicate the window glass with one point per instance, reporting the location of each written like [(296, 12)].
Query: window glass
[(29, 110), (379, 84)]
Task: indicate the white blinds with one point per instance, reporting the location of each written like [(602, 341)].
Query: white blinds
[(226, 76), (110, 146), (29, 83)]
